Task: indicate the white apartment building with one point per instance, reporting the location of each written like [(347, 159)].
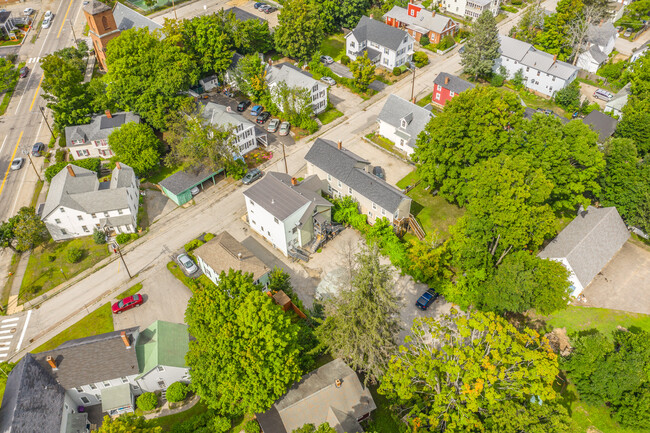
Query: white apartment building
[(543, 73), (77, 203), (294, 77), (600, 44), (91, 140), (471, 8), (243, 130), (386, 46)]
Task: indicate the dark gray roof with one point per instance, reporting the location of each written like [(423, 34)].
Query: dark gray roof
[(126, 19), (32, 401), (4, 16), (316, 399), (601, 123), (293, 76), (455, 84), (275, 193), (379, 32), (351, 170), (96, 7), (242, 15), (589, 242), (92, 359), (187, 179), (597, 54), (602, 34), (99, 128), (395, 109)]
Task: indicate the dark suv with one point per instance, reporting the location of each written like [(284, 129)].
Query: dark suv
[(37, 149), (426, 299), (243, 105), (263, 117)]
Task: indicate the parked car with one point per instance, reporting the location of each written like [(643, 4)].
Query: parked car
[(188, 266), (256, 110), (379, 172), (328, 80), (628, 32), (252, 175), (243, 105), (258, 4), (48, 15), (273, 125), (28, 11), (17, 163), (127, 303), (270, 10), (284, 128), (426, 299), (603, 94), (194, 191), (327, 60), (37, 149), (24, 71), (263, 117), (46, 23), (263, 8)]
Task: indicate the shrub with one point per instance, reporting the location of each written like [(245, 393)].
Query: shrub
[(75, 254), (51, 257), (424, 40), (221, 424), (569, 97), (517, 2), (147, 401), (397, 71), (420, 59), (193, 244), (123, 238), (237, 169), (208, 237), (176, 392), (252, 427), (345, 60), (497, 80), (99, 237), (59, 156)]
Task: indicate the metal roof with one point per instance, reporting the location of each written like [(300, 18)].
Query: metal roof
[(162, 343), (182, 181), (127, 18)]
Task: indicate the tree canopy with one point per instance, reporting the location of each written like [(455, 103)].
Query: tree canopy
[(136, 145), (300, 30), (23, 231), (8, 75), (342, 13), (363, 72), (482, 47), (128, 423)]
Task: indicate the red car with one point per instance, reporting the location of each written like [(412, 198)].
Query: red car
[(127, 303)]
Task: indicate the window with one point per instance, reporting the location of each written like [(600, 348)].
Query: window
[(370, 214), (85, 229), (92, 215), (119, 212), (253, 222), (383, 212), (294, 230), (106, 214), (329, 188), (62, 210), (63, 232), (329, 177), (92, 386), (85, 400), (385, 50), (374, 206), (106, 383), (437, 95), (66, 406), (349, 190), (80, 217), (339, 184), (351, 44), (451, 93), (79, 389), (125, 380), (276, 220), (58, 221), (161, 368), (439, 88)]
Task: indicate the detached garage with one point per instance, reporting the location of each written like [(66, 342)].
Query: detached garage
[(178, 187)]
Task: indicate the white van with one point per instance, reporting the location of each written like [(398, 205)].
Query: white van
[(603, 94)]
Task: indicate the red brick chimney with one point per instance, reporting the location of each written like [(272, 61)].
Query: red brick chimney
[(446, 80), (117, 164), (294, 181), (108, 114), (554, 59), (52, 362), (125, 339), (70, 170), (340, 145)]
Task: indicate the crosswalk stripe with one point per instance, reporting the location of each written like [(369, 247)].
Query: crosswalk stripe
[(3, 355), (4, 337), (13, 319), (11, 325), (4, 348), (5, 332)]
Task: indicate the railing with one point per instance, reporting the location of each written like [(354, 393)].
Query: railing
[(415, 227)]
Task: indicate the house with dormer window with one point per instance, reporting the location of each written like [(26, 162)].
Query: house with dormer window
[(385, 45), (418, 22), (91, 140), (294, 77), (401, 121), (245, 136)]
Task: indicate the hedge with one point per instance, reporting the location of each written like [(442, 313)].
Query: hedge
[(177, 391), (193, 244), (147, 401)]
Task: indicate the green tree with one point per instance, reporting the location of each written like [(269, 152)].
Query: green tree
[(622, 180), (530, 23), (128, 423), (93, 164), (518, 79), (362, 322), (136, 145), (467, 372), (177, 391), (311, 428), (344, 13), (253, 37), (206, 41), (250, 76), (147, 401), (363, 72), (636, 113), (482, 47), (246, 350), (146, 74), (555, 39), (569, 96), (8, 75), (300, 31), (23, 231), (294, 103)]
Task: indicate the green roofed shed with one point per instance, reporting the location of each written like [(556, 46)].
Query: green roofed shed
[(178, 186), (162, 343)]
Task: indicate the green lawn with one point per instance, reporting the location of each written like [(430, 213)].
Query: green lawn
[(329, 115), (162, 173), (425, 100), (98, 322), (48, 265), (131, 291), (167, 422), (382, 419), (385, 143), (334, 46), (576, 319)]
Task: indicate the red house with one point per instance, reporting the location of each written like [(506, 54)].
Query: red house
[(446, 86), (419, 22)]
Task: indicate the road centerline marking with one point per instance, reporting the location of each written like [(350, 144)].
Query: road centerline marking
[(64, 18), (38, 88)]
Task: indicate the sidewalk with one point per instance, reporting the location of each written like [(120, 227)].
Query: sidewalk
[(12, 305)]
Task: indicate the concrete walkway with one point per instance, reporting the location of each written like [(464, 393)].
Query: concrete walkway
[(165, 410), (12, 305)]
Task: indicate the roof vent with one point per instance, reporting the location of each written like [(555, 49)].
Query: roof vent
[(272, 201), (239, 256), (338, 383)]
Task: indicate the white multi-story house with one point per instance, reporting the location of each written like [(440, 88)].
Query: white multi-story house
[(471, 8), (401, 121), (600, 43), (346, 174), (91, 140), (543, 73), (243, 130), (287, 213), (386, 46), (294, 77), (77, 203)]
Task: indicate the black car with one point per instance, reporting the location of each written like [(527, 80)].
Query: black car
[(37, 149), (426, 299), (24, 71), (243, 105), (252, 175), (263, 117), (379, 172), (257, 5)]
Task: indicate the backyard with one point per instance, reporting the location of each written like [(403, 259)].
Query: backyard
[(48, 265), (329, 115), (334, 46)]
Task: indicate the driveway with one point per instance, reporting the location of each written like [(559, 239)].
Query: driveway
[(340, 70), (587, 90), (624, 284)]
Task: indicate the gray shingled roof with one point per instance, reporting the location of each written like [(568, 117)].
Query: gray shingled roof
[(601, 123), (276, 195), (395, 109), (601, 34), (127, 18), (32, 401), (350, 169), (589, 242), (92, 359), (528, 55), (95, 7), (455, 84), (219, 115), (293, 76), (242, 15), (99, 128), (597, 54), (620, 99), (316, 399), (381, 33), (4, 16), (427, 20), (184, 180)]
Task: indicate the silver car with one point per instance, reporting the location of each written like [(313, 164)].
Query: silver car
[(328, 80), (189, 267), (273, 125), (17, 163)]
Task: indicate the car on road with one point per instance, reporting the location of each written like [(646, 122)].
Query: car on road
[(194, 191), (258, 4), (37, 149), (273, 125), (263, 117), (46, 23), (251, 176), (24, 71), (427, 298), (256, 110), (188, 266), (284, 128), (628, 32), (603, 94), (17, 163), (328, 80), (48, 15), (379, 172), (327, 60), (127, 303), (243, 105), (28, 11)]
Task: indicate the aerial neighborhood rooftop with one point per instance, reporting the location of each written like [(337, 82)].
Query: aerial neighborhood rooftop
[(324, 217)]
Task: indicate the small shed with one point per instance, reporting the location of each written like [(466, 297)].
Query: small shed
[(179, 185), (117, 400)]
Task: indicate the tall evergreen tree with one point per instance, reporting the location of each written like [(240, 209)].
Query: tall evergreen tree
[(482, 48)]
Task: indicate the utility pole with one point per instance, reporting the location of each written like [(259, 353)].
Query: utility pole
[(73, 34), (31, 162), (174, 7), (284, 156), (45, 118), (413, 85), (116, 249)]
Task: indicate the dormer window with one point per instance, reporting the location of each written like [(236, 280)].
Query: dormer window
[(404, 124)]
